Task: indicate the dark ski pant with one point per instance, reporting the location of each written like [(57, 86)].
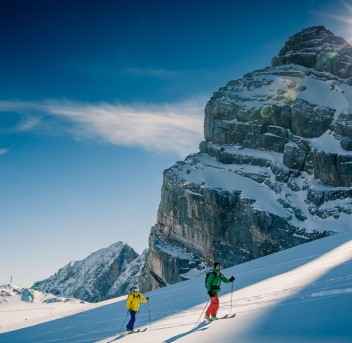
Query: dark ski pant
[(130, 325)]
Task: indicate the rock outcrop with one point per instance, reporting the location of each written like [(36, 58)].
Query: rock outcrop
[(317, 48), (274, 171)]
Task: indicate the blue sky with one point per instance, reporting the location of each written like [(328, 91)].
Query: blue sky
[(97, 98)]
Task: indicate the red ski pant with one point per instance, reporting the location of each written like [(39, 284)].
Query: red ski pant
[(213, 307)]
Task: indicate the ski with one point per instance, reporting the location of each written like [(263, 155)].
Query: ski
[(136, 331), (226, 316)]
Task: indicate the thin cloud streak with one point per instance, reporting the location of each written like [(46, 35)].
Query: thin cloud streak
[(176, 128), (27, 124), (347, 5), (3, 151), (151, 72)]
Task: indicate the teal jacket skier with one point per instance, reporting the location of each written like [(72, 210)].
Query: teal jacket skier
[(212, 285)]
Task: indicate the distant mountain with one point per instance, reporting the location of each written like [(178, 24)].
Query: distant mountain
[(13, 294), (274, 171), (105, 274)]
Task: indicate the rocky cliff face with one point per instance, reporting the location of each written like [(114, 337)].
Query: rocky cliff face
[(105, 274), (274, 171)]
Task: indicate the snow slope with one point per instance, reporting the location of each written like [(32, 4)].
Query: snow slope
[(303, 294), (21, 307)]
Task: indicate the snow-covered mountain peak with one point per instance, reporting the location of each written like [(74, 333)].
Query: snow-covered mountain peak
[(318, 48), (94, 278)]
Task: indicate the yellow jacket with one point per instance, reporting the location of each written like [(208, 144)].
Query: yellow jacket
[(133, 301)]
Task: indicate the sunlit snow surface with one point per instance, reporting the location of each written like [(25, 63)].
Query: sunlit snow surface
[(303, 294)]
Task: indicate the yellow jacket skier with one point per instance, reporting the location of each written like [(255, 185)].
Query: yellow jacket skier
[(132, 304)]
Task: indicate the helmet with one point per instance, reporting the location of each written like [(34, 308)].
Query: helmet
[(135, 289)]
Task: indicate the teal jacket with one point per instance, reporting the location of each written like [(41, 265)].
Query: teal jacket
[(214, 281)]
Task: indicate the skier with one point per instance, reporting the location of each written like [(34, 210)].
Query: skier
[(132, 304), (212, 285)]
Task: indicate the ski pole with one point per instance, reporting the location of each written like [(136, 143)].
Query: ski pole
[(231, 298), (150, 321), (201, 314), (123, 322)]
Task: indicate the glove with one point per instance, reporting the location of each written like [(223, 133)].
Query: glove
[(210, 294), (232, 278), (147, 298)]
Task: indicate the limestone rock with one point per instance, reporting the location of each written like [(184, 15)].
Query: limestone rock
[(317, 48), (274, 171)]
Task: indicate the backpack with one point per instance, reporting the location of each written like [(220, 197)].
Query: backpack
[(207, 276)]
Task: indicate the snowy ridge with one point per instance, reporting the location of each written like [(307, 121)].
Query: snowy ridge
[(15, 294), (130, 277), (94, 278), (248, 179), (283, 84)]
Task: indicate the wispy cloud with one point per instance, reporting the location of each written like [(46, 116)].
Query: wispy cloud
[(347, 5), (3, 151), (110, 69), (28, 123), (151, 72), (176, 127)]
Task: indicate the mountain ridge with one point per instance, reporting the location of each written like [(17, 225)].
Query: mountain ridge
[(100, 276)]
